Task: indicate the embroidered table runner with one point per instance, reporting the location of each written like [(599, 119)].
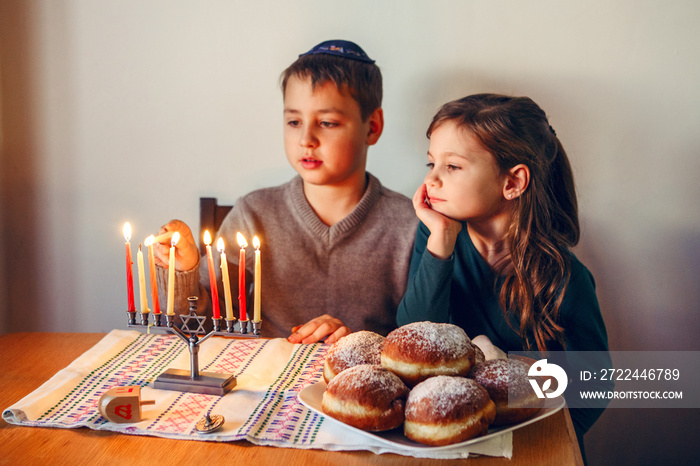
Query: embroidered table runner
[(263, 408)]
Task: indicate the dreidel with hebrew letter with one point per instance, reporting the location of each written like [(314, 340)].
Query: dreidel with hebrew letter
[(123, 404)]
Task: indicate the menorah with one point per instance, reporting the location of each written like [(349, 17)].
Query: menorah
[(194, 381)]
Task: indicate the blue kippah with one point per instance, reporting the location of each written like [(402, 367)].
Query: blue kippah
[(340, 48)]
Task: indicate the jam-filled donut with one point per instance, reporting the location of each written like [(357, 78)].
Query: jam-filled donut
[(444, 410), (363, 347), (367, 396), (508, 386), (420, 350)]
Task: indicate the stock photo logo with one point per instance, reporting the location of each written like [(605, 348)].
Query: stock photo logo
[(544, 369)]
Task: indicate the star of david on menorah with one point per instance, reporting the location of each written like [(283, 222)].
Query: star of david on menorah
[(195, 381)]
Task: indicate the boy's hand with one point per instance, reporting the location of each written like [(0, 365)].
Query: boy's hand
[(443, 230), (317, 329), (186, 252)]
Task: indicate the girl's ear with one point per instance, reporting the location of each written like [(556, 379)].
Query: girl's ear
[(376, 126), (517, 181)]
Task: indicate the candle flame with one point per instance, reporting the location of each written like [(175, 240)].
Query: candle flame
[(207, 237), (127, 231), (175, 239), (241, 240), (220, 244), (256, 242), (149, 241)]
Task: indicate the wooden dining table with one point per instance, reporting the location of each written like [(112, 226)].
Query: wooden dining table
[(30, 359)]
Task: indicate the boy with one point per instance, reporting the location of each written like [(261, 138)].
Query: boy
[(337, 243)]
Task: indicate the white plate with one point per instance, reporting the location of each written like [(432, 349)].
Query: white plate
[(312, 395)]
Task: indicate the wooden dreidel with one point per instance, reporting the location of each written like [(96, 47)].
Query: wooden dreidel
[(122, 404)]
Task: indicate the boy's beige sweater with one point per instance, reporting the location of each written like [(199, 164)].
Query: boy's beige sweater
[(355, 270)]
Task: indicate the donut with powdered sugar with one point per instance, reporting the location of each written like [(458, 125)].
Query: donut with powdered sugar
[(367, 397), (363, 347), (444, 410), (507, 383), (421, 350)]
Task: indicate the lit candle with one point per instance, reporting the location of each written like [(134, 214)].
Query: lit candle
[(142, 281), (256, 305), (152, 273), (129, 272), (241, 277), (226, 281), (171, 274), (212, 276)]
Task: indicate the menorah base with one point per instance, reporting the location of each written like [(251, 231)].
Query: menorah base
[(210, 383)]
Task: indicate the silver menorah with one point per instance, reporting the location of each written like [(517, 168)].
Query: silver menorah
[(194, 381)]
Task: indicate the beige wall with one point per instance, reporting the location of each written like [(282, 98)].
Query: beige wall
[(130, 110)]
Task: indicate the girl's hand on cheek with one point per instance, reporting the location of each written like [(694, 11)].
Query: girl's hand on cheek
[(443, 230), (435, 221)]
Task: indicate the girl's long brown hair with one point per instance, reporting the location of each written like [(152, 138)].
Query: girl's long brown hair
[(515, 130)]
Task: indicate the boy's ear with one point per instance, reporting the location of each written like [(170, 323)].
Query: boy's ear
[(517, 181), (376, 126)]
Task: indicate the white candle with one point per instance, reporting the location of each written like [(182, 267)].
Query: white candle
[(152, 273), (256, 304), (142, 281), (171, 274), (225, 279)]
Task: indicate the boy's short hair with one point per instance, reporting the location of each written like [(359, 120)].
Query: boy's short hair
[(361, 77)]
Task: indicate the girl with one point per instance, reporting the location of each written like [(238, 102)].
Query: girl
[(498, 215)]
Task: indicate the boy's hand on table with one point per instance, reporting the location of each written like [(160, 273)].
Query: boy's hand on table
[(317, 329), (186, 251)]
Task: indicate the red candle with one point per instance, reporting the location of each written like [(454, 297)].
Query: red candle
[(212, 276), (241, 277), (129, 272), (152, 269)]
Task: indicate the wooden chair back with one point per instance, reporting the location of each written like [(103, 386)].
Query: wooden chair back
[(211, 215)]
